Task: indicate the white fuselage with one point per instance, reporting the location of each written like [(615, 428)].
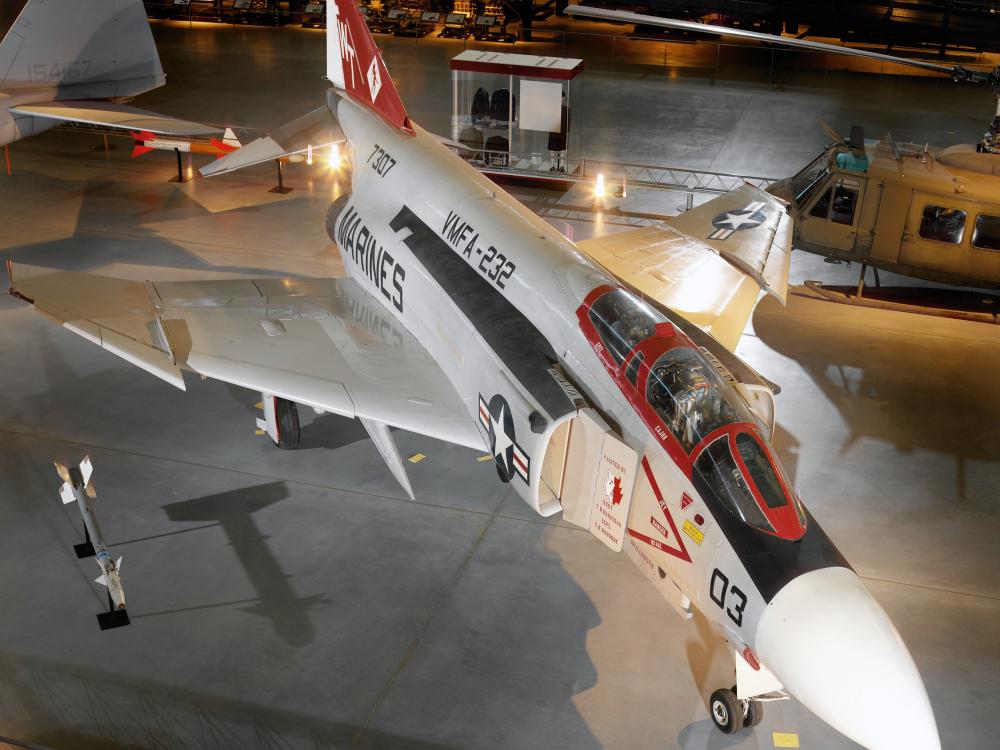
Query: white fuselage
[(501, 302), (549, 281)]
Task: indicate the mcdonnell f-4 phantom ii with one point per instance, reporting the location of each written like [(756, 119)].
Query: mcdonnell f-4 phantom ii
[(600, 376), (76, 61)]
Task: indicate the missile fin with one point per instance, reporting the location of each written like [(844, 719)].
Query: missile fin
[(62, 471), (66, 493), (91, 492), (86, 469)]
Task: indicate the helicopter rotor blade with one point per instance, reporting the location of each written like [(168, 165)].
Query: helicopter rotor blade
[(958, 72), (833, 134)]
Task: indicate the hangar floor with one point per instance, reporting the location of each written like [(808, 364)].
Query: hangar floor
[(295, 600)]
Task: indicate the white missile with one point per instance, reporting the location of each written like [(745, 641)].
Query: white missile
[(111, 577), (77, 487)]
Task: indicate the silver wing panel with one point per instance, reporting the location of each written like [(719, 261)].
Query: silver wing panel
[(325, 343)]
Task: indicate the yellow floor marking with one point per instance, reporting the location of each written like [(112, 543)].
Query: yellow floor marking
[(487, 457), (785, 739), (258, 432), (416, 458)]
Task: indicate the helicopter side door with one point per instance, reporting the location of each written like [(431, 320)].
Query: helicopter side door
[(831, 219), (891, 226)]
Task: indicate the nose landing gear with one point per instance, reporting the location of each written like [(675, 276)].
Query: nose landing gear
[(731, 714)]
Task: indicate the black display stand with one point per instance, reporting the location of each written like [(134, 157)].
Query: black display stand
[(180, 169), (280, 187), (113, 618), (86, 547)]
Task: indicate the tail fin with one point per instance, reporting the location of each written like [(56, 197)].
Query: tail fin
[(103, 45), (354, 65)]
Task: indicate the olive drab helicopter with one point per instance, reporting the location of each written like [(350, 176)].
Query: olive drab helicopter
[(913, 209)]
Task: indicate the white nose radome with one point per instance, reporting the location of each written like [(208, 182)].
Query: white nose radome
[(836, 651)]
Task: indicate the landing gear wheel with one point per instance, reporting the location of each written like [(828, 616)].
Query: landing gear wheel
[(726, 711), (753, 713), (287, 417)]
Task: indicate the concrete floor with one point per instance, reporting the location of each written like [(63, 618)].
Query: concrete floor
[(296, 600)]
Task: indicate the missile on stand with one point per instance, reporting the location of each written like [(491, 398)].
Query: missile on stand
[(78, 488)]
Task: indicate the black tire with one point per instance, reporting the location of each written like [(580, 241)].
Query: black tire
[(753, 713), (726, 711), (287, 416)]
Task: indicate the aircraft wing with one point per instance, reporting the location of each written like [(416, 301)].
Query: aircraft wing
[(708, 264), (111, 115), (325, 343), (317, 129)]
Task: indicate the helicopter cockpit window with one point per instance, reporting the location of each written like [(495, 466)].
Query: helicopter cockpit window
[(622, 321), (690, 397), (844, 202), (808, 181), (986, 234), (943, 224), (822, 207), (717, 468)]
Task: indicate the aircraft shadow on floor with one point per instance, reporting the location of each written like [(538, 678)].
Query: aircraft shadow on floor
[(233, 511), (95, 245), (916, 398)]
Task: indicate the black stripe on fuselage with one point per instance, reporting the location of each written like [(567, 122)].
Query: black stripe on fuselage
[(520, 346), (772, 561)]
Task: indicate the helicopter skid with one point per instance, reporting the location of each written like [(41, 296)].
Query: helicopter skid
[(959, 304)]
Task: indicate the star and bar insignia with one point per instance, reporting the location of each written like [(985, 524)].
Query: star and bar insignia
[(749, 217), (498, 421)]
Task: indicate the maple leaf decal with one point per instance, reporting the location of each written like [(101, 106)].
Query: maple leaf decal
[(616, 492)]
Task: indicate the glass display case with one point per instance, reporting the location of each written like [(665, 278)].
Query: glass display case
[(515, 112)]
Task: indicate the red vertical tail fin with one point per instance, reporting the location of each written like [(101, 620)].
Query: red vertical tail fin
[(354, 65)]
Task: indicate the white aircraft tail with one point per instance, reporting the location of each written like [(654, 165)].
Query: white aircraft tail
[(103, 46), (354, 65)]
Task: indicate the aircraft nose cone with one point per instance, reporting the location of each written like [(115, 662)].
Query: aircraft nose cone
[(836, 651)]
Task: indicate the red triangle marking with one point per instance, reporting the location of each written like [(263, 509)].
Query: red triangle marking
[(679, 551), (685, 500)]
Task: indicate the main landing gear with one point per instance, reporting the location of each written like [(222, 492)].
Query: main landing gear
[(731, 714), (280, 422)]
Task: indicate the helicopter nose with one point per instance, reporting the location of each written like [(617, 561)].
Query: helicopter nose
[(836, 651)]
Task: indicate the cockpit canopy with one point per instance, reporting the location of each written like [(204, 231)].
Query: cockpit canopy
[(675, 386), (740, 471)]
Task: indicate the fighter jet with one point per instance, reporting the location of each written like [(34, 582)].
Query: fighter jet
[(601, 378), (77, 61)]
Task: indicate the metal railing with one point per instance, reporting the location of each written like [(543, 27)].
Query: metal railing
[(546, 166)]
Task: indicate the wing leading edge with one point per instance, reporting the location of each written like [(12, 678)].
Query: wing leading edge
[(325, 343), (111, 115), (708, 264)]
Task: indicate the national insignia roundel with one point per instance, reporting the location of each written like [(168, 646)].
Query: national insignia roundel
[(498, 421)]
